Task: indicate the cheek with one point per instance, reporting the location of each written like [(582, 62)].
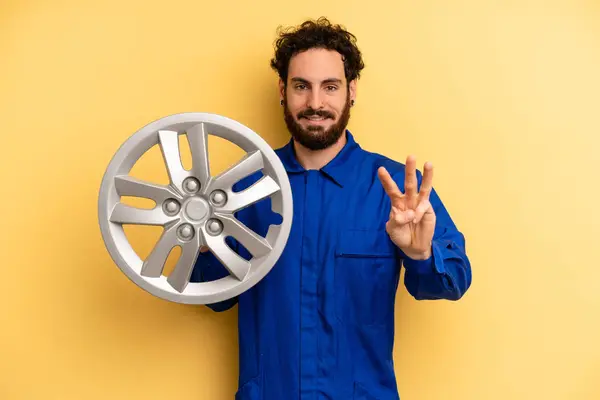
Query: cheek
[(295, 103), (295, 109), (336, 106)]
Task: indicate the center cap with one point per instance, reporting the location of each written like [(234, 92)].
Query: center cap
[(196, 209)]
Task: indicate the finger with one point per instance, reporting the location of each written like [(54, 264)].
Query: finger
[(410, 182), (426, 183), (400, 218), (395, 210), (389, 185), (423, 208)]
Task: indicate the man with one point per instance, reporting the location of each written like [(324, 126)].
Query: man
[(320, 325)]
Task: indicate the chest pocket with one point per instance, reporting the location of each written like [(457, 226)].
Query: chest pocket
[(366, 276)]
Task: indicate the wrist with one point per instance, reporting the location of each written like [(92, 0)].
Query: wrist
[(418, 255)]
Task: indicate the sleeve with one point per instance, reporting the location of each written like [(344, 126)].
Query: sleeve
[(447, 273)]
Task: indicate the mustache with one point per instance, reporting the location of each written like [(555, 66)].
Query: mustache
[(319, 113)]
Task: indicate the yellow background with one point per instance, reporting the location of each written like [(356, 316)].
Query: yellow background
[(503, 97)]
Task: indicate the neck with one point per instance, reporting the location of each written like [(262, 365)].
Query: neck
[(317, 159)]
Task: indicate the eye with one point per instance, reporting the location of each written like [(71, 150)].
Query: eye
[(300, 86), (331, 88)]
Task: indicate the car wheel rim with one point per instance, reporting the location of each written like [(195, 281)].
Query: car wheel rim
[(195, 208)]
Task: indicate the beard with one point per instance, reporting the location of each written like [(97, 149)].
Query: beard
[(316, 137)]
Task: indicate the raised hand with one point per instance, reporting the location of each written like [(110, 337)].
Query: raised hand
[(411, 222)]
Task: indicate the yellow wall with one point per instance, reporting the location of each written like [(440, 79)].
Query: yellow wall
[(503, 97)]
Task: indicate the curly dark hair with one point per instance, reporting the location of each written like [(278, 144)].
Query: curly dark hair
[(317, 34)]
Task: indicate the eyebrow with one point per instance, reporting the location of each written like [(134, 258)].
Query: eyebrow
[(328, 80)]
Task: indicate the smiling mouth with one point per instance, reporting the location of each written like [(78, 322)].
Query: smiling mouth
[(315, 118)]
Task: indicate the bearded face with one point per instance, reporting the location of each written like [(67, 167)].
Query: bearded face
[(317, 98), (316, 129)]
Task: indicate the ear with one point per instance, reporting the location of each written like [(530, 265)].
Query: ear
[(281, 89), (352, 88)]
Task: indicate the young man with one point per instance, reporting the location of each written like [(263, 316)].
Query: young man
[(320, 325)]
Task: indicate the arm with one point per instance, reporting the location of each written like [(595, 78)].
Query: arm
[(446, 274), (208, 267), (427, 240)]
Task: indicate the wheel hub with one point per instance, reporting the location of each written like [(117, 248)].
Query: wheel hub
[(197, 209)]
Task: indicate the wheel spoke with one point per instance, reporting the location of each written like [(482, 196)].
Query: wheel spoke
[(124, 214), (236, 265), (169, 145), (249, 164), (129, 186), (264, 188), (180, 276), (198, 140), (155, 262), (256, 245)]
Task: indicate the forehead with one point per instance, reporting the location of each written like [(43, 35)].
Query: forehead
[(316, 65)]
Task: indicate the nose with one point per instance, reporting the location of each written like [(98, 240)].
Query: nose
[(315, 100)]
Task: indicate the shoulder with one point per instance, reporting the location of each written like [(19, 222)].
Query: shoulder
[(374, 161)]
